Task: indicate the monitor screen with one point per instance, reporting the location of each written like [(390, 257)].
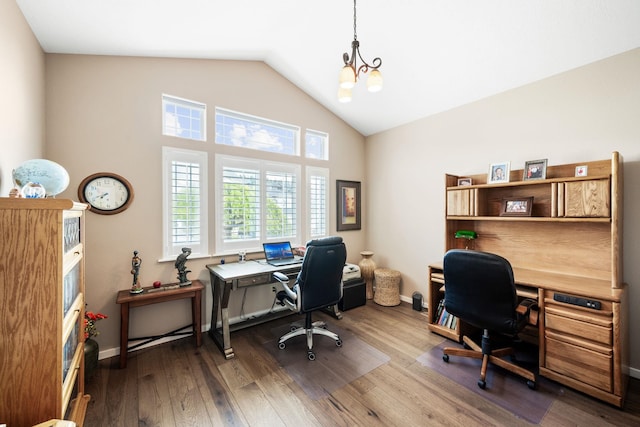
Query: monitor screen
[(279, 250)]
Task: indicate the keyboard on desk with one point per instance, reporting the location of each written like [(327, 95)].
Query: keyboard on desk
[(283, 262)]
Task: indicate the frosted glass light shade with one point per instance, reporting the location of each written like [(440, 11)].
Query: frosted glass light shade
[(374, 81), (347, 77), (344, 95)]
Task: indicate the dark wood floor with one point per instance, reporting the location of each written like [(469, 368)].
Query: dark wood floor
[(175, 384)]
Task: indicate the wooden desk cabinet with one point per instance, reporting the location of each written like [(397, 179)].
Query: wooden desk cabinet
[(567, 253), (42, 311)]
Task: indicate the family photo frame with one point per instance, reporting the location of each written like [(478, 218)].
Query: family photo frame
[(349, 205), (517, 206), (535, 169), (499, 172)]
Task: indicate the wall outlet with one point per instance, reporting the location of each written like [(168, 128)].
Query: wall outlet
[(273, 289)]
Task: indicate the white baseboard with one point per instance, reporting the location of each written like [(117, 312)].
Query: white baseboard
[(115, 351)]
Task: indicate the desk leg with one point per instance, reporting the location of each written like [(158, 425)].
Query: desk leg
[(196, 313), (124, 334), (221, 293)]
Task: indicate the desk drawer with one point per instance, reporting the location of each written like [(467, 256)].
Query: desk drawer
[(602, 334), (590, 367), (259, 279)]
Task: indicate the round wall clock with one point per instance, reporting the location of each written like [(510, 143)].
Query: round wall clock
[(107, 193)]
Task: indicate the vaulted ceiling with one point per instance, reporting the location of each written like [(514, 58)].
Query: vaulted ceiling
[(436, 54)]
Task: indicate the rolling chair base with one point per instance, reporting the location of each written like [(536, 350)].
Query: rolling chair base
[(475, 352), (317, 328)]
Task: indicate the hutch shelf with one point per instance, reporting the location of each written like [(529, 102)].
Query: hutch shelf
[(567, 254)]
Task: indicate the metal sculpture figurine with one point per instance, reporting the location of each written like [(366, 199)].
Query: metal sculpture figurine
[(180, 265), (135, 270)]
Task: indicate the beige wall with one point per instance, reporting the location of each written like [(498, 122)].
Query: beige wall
[(22, 88), (104, 114), (580, 115)]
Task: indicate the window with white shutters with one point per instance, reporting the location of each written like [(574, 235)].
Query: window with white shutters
[(185, 201), (257, 201), (318, 201)]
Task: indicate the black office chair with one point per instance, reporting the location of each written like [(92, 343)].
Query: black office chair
[(319, 285), (480, 290)]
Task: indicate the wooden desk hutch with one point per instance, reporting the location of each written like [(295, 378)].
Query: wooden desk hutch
[(567, 255), (42, 311)]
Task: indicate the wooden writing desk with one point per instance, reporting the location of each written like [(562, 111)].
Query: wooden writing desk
[(566, 253), (152, 295)]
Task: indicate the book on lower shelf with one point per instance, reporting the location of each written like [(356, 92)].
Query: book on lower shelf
[(436, 319), (444, 318), (448, 319)]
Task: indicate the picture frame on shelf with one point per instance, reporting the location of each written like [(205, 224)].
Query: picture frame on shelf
[(582, 170), (516, 206), (464, 181), (349, 205), (535, 169), (499, 173)]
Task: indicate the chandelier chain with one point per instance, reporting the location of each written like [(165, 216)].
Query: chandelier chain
[(355, 32)]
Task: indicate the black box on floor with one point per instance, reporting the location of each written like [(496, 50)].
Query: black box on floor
[(354, 294)]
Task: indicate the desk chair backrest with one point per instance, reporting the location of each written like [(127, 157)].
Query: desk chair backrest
[(320, 277), (480, 290)]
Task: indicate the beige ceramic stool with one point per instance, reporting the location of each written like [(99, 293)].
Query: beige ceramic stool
[(387, 287)]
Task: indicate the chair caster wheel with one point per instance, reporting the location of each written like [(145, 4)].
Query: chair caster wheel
[(445, 357), (482, 384), (531, 384), (338, 343), (311, 356), (281, 345)]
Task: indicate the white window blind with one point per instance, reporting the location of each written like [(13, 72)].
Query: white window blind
[(240, 204), (318, 201), (282, 204), (257, 201), (185, 200)]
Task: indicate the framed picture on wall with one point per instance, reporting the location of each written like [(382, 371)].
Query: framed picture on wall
[(499, 172), (349, 205)]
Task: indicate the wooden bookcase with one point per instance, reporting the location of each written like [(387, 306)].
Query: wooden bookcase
[(569, 249), (42, 311)]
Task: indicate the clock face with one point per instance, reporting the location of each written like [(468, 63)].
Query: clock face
[(107, 193)]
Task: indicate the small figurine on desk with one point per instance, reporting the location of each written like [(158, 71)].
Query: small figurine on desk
[(135, 270), (182, 270)]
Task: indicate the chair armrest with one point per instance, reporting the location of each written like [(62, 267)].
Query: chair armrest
[(529, 309), (280, 277), (284, 281)]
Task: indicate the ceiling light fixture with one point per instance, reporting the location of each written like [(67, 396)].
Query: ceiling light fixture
[(351, 71)]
